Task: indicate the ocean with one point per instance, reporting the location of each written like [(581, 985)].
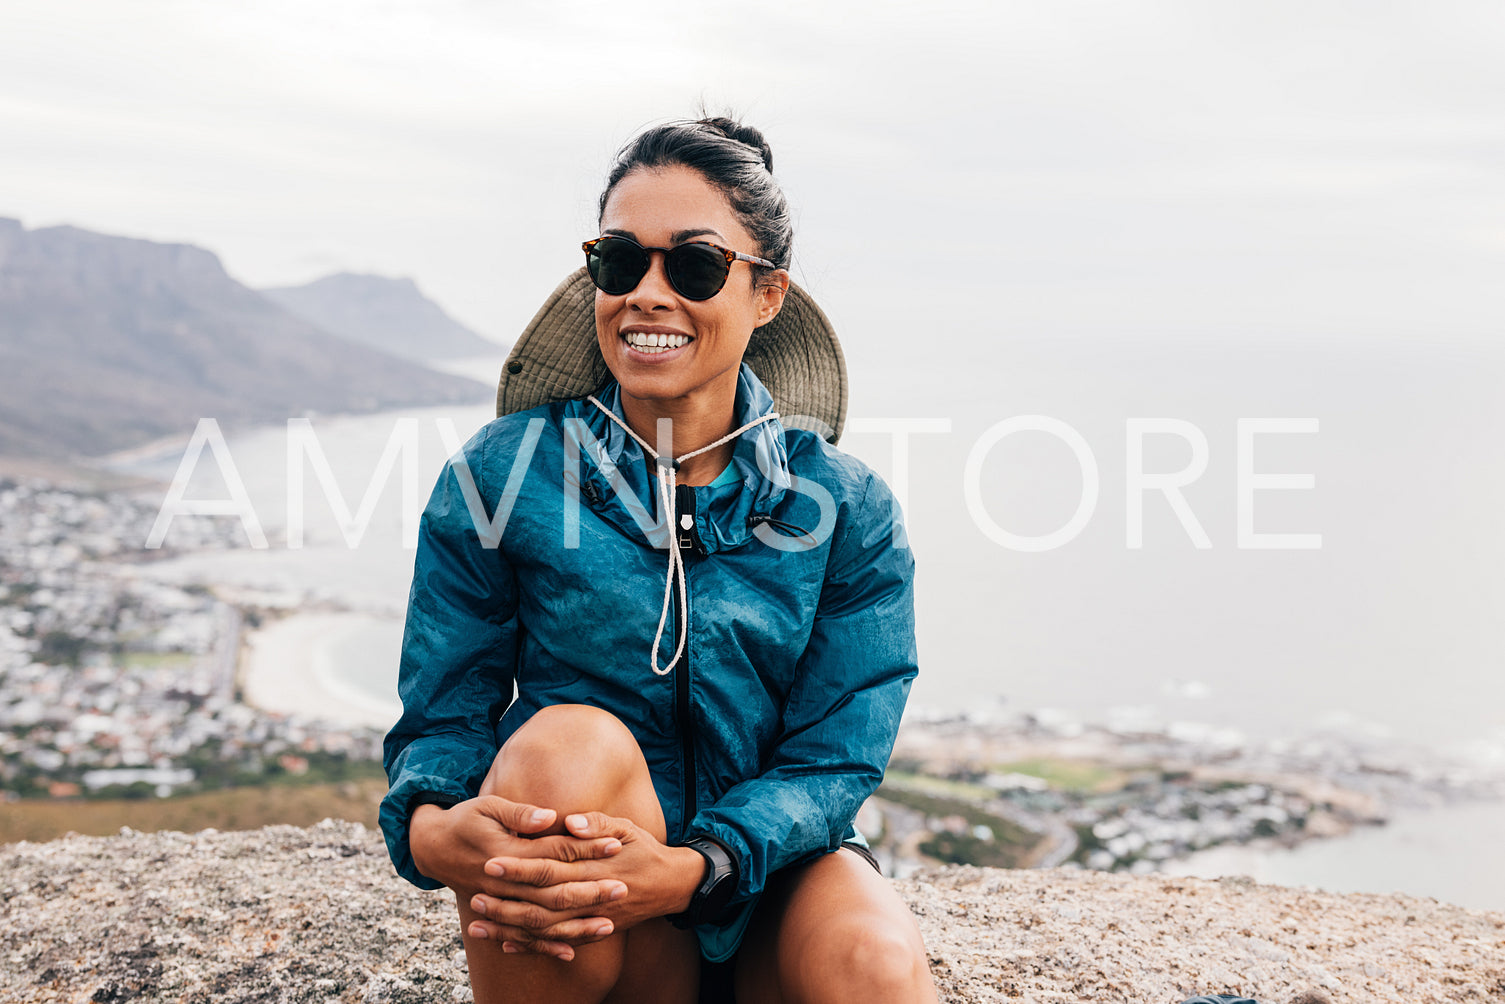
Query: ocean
[(1271, 537)]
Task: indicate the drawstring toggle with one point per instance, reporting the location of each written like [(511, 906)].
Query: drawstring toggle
[(666, 469)]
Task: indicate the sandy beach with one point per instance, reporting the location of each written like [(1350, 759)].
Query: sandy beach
[(289, 666)]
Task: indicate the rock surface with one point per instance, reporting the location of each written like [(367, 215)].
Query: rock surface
[(287, 914)]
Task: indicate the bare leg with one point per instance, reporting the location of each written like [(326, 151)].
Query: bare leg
[(574, 758), (833, 931)]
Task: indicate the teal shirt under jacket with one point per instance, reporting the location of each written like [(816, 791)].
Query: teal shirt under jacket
[(539, 580)]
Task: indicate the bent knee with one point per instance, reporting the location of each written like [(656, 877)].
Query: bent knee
[(561, 746), (881, 953), (573, 731)]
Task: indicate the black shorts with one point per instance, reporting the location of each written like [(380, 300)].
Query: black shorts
[(866, 853), (716, 978)]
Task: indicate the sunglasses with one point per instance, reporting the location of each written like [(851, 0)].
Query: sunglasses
[(697, 269)]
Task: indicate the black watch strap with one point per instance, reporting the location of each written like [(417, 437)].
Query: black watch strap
[(716, 887)]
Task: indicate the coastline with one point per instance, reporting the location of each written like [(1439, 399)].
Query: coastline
[(304, 663), (1326, 812), (334, 665), (1411, 849), (291, 666)]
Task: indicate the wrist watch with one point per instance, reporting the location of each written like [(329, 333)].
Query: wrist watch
[(716, 887)]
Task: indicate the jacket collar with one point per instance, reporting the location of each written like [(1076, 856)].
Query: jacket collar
[(615, 479)]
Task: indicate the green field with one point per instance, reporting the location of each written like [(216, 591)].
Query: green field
[(1011, 846), (941, 787), (1077, 777), (226, 809)]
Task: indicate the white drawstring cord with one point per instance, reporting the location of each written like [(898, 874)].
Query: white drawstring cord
[(667, 482)]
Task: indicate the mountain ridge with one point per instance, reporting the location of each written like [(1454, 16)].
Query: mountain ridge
[(109, 342), (389, 314)]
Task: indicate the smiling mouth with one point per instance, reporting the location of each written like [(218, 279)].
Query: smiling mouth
[(652, 344)]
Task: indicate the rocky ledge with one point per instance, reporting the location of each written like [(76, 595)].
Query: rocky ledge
[(287, 914)]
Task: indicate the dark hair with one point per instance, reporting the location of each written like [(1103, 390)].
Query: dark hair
[(733, 157)]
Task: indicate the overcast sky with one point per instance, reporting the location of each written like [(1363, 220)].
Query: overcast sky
[(1143, 167), (1091, 211)]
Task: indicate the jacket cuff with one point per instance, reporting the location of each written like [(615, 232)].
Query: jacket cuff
[(397, 812)]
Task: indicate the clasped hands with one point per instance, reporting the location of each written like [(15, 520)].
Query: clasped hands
[(542, 888)]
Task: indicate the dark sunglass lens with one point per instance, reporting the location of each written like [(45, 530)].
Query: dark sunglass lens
[(616, 265), (697, 271)]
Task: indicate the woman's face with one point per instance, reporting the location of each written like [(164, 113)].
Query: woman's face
[(663, 208)]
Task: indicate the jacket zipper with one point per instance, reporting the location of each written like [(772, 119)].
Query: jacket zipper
[(686, 539)]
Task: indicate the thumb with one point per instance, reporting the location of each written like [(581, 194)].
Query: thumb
[(519, 817)]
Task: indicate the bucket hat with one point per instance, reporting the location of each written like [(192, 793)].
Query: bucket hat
[(795, 355)]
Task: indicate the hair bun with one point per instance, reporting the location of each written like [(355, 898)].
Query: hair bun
[(744, 134)]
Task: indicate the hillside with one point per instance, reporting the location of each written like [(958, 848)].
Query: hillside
[(390, 315), (316, 914), (110, 342)]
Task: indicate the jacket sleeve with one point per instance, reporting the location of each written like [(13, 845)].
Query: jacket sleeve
[(458, 657), (843, 712)]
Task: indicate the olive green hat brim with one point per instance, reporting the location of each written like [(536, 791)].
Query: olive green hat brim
[(795, 355)]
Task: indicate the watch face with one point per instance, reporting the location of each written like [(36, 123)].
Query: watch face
[(718, 893)]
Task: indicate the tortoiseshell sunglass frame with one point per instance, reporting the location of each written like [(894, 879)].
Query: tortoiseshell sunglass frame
[(730, 255)]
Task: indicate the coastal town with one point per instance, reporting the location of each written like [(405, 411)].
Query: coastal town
[(1042, 790), (114, 684)]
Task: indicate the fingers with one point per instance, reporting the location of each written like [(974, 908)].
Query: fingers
[(563, 848), (515, 941), (567, 898), (558, 949), (598, 824), (519, 817), (559, 850), (538, 873), (533, 928)]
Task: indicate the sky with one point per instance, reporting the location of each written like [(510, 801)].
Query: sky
[(1148, 167), (1092, 211)]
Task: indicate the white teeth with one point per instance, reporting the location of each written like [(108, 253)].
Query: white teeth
[(656, 342)]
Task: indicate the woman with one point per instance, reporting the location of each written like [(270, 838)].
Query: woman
[(708, 628)]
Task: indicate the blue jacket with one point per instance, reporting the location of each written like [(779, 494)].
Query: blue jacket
[(776, 726)]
